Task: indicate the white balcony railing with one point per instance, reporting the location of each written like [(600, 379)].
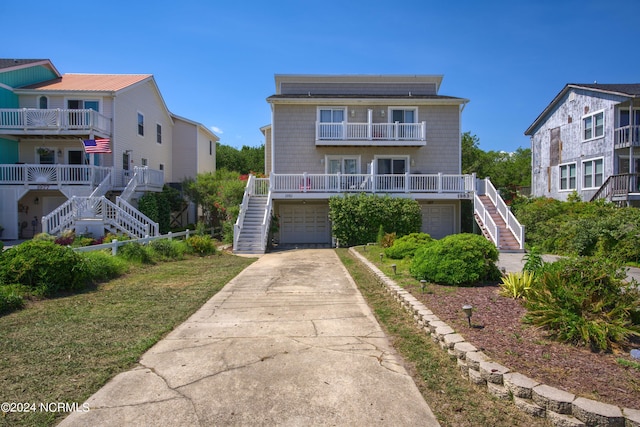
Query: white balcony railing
[(32, 120), (378, 132), (48, 175), (463, 185), (626, 136)]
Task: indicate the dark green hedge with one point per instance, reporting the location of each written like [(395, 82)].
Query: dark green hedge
[(356, 219)]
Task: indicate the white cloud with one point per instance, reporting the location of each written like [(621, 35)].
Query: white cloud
[(217, 130)]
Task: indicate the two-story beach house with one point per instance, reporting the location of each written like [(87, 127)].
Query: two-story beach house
[(78, 150), (344, 134), (587, 140)]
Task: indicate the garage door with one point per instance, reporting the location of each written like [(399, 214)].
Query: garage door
[(438, 220), (308, 223)]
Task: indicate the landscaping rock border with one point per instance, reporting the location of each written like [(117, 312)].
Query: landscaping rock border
[(558, 406)]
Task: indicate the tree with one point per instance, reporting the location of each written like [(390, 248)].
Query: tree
[(244, 161)]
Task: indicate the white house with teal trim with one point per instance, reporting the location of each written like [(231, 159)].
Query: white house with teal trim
[(47, 181)]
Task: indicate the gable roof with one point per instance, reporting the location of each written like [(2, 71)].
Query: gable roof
[(627, 90), (7, 64), (89, 82)]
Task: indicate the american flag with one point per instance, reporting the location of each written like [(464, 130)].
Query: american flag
[(96, 145)]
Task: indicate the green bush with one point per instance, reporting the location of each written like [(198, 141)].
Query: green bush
[(102, 266), (357, 219), (201, 245), (44, 267), (164, 249), (10, 298), (135, 252), (406, 246), (585, 301), (458, 259)]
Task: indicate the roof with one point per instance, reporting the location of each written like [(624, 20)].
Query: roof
[(9, 64), (90, 82), (626, 90)]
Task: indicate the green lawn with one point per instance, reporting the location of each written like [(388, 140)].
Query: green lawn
[(64, 349)]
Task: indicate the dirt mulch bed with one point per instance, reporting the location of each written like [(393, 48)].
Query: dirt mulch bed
[(498, 331)]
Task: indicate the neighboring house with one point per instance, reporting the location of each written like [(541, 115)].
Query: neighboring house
[(48, 179), (347, 134), (587, 140)]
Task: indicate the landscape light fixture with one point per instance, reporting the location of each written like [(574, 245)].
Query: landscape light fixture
[(467, 312), (393, 267), (381, 255), (423, 285)]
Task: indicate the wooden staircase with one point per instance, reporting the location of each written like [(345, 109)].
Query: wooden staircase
[(507, 241)]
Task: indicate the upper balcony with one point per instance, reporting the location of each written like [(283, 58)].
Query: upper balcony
[(33, 121), (627, 136), (371, 134)]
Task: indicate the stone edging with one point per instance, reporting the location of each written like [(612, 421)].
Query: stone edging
[(558, 406)]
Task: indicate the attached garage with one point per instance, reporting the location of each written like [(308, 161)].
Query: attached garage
[(304, 223), (438, 220)]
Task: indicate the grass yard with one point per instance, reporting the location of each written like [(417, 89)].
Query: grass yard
[(454, 400), (64, 349)]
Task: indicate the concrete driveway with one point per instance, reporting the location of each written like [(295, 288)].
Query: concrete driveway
[(290, 341)]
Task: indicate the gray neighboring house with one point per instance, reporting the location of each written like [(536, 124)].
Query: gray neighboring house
[(346, 134), (587, 140)]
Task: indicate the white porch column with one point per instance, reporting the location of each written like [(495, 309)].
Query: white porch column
[(369, 122)]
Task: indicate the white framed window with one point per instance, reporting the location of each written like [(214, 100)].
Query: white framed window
[(592, 173), (342, 164), (158, 133), (144, 162), (403, 115), (140, 124), (161, 166), (330, 122), (593, 126), (46, 155), (567, 177), (43, 102)]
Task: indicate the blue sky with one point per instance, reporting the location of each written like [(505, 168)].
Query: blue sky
[(215, 61)]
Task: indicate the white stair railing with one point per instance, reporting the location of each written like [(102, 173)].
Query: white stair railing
[(134, 220), (513, 225), (103, 187), (244, 206), (61, 218), (488, 222)]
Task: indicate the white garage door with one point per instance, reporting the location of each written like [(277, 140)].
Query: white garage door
[(308, 223), (438, 220)]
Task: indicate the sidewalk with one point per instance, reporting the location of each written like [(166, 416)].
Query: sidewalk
[(289, 341)]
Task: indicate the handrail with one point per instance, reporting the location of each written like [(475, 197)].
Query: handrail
[(58, 119), (463, 184), (266, 222), (619, 185), (510, 220), (103, 187), (394, 131), (248, 191), (135, 219), (485, 217)]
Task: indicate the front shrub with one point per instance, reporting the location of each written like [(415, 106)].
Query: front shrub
[(458, 259), (44, 267), (10, 298), (585, 301), (201, 245), (357, 219), (516, 285), (406, 246), (102, 266), (135, 252), (167, 249)]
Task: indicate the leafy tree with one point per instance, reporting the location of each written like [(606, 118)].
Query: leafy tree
[(218, 194), (244, 161)]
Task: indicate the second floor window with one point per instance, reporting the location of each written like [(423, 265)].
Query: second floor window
[(330, 123), (593, 126), (592, 174), (159, 133), (43, 103), (568, 176), (140, 124)]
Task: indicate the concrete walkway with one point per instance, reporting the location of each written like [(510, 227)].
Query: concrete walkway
[(289, 341)]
